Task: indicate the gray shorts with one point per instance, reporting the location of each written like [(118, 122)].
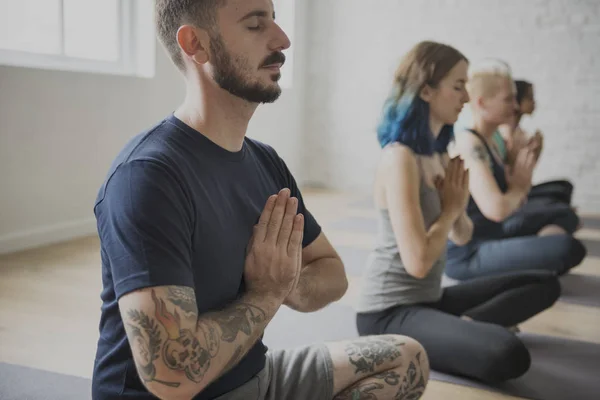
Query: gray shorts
[(296, 374)]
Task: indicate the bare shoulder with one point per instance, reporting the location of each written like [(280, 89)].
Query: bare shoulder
[(398, 155)]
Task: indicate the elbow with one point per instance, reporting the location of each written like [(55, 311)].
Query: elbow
[(182, 392), (418, 269), (461, 241), (496, 213), (341, 287), (171, 394)]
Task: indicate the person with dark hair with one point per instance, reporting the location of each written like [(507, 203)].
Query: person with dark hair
[(510, 138), (505, 237), (205, 235), (421, 197)]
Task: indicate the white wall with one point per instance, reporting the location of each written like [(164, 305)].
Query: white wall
[(59, 132), (356, 45)]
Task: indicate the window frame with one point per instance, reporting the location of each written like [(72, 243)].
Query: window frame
[(136, 55)]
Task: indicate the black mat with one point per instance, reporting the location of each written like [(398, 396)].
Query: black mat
[(581, 289), (23, 383), (561, 370)]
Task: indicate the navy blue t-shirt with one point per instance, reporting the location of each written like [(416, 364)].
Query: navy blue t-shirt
[(177, 209)]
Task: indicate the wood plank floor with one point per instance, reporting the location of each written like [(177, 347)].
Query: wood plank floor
[(50, 307)]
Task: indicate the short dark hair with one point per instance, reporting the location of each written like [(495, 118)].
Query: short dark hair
[(171, 14), (522, 88)]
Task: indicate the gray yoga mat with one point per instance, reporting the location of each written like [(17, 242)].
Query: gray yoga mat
[(23, 383), (591, 222), (581, 289), (561, 369), (592, 246)]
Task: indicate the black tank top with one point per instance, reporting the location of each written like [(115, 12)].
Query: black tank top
[(499, 173), (483, 228)]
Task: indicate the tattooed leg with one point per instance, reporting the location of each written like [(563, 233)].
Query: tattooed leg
[(379, 367)]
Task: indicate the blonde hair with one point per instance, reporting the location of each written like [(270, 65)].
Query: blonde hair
[(486, 78)]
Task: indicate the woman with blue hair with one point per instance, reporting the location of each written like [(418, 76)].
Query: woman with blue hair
[(421, 197)]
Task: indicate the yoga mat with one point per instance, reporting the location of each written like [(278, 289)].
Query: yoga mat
[(581, 289), (24, 383), (561, 369), (592, 246), (591, 222)]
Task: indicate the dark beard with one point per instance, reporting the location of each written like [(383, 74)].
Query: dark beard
[(230, 79)]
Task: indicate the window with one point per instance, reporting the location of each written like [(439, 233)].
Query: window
[(102, 36), (285, 15)]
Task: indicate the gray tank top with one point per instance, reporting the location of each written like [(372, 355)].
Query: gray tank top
[(386, 283)]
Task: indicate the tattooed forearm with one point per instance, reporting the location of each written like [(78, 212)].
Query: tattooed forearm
[(366, 354), (235, 358), (480, 154), (185, 298), (146, 345), (413, 384), (242, 318), (169, 339), (182, 350)]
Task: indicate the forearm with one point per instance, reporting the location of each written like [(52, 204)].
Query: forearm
[(321, 283), (178, 353), (436, 242), (238, 326), (462, 230), (512, 201)]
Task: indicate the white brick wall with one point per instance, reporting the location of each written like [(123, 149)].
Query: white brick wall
[(355, 45)]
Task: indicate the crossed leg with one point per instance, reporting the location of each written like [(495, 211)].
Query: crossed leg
[(384, 367)]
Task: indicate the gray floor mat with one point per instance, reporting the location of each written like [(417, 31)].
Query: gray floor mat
[(591, 222), (581, 289), (23, 383), (592, 246), (561, 369)]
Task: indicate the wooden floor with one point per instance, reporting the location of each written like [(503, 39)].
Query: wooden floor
[(50, 307)]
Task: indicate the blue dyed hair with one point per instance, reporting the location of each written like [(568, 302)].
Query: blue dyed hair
[(405, 114)]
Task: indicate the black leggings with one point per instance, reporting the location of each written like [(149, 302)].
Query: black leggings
[(559, 191), (481, 349), (522, 249)]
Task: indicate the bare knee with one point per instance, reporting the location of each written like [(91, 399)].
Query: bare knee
[(414, 367), (358, 359)]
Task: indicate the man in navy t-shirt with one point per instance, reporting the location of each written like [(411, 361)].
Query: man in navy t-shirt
[(204, 235)]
